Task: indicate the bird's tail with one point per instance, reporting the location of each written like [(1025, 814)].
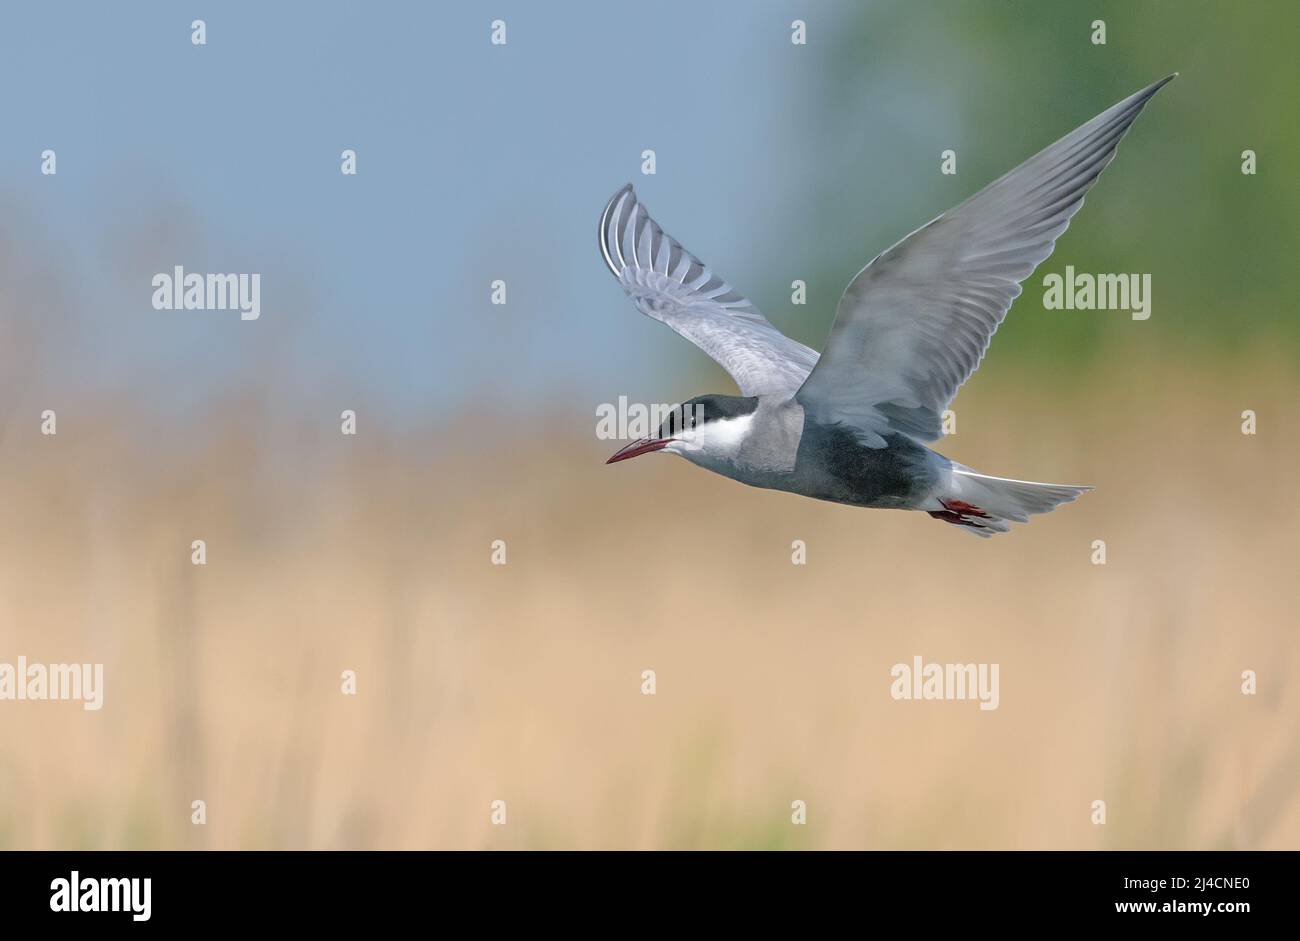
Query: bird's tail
[(986, 505)]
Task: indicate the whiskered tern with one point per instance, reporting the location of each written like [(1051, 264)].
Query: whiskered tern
[(847, 426)]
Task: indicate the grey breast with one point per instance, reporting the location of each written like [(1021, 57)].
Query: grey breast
[(790, 451), (833, 464)]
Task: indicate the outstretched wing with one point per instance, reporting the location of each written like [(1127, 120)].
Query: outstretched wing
[(673, 286), (915, 322)]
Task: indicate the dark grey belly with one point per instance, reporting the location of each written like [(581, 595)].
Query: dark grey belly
[(831, 464)]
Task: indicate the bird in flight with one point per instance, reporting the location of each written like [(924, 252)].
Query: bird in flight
[(847, 426)]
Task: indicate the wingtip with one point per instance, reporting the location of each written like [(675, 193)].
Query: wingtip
[(1156, 86), (618, 194), (606, 235), (613, 200), (1142, 96)]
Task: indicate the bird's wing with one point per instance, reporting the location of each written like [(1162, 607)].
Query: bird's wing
[(915, 322), (673, 286)]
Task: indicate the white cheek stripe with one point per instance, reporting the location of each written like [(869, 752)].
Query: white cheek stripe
[(724, 438)]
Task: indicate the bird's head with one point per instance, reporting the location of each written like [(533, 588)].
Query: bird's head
[(705, 429)]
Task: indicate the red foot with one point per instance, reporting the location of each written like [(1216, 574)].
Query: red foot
[(965, 509), (959, 513)]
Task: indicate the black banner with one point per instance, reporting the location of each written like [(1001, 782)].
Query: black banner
[(171, 890)]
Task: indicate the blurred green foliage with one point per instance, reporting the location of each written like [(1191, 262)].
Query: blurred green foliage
[(998, 80)]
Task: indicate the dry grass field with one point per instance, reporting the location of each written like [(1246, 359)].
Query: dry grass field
[(522, 682)]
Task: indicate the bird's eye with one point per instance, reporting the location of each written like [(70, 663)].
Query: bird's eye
[(692, 421)]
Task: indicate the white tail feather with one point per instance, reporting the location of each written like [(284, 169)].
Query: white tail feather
[(986, 505)]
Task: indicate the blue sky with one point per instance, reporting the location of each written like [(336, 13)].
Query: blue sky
[(475, 162), (478, 162)]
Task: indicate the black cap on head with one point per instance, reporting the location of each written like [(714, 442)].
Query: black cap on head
[(705, 408)]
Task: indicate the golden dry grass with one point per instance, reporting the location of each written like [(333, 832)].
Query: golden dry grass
[(1119, 682)]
